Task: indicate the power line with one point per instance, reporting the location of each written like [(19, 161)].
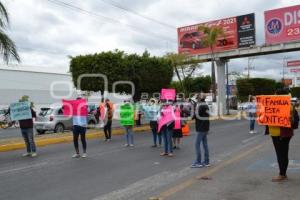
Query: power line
[(116, 5), (108, 19)]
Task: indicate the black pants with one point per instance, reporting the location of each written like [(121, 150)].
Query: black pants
[(107, 129), (79, 130), (282, 152)]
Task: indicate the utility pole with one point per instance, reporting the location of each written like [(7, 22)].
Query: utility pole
[(249, 67)]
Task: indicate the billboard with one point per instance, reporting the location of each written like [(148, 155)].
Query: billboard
[(239, 32), (295, 70), (282, 25), (293, 63)]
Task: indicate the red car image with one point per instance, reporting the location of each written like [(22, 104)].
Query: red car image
[(192, 41)]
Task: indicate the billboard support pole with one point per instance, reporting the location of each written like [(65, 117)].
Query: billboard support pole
[(221, 74)]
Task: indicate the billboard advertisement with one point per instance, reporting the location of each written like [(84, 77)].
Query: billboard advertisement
[(293, 63), (239, 32), (295, 70), (282, 25)]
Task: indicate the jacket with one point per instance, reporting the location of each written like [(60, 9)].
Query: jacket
[(202, 117)]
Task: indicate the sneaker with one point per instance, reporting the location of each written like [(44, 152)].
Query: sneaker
[(154, 146), (195, 165), (26, 154), (251, 132), (163, 154), (34, 154), (174, 147), (279, 178), (131, 145), (206, 165), (76, 155), (108, 140), (84, 155), (170, 154), (126, 145)]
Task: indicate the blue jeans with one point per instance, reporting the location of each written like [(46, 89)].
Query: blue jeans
[(201, 137), (153, 126), (129, 135), (252, 121), (27, 134), (167, 136)]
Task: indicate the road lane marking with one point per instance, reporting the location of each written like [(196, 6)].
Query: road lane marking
[(209, 172), (23, 168)]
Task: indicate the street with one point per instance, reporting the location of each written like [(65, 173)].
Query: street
[(114, 172)]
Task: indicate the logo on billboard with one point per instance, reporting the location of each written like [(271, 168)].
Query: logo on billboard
[(274, 26)]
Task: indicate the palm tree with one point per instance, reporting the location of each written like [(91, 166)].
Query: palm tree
[(211, 35), (7, 47), (184, 68)]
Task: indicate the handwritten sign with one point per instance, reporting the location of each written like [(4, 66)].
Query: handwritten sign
[(167, 116), (75, 107), (127, 115), (20, 111), (274, 110), (168, 94)]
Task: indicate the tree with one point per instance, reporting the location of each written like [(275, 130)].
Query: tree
[(7, 46), (148, 74), (194, 85), (184, 68), (211, 35)]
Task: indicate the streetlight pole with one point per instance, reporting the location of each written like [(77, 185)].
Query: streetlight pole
[(227, 88)]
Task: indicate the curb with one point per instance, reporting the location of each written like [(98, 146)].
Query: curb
[(42, 142)]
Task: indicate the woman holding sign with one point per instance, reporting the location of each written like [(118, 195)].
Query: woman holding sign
[(281, 135), (127, 120)]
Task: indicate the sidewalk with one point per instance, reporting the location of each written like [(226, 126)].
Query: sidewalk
[(245, 176)]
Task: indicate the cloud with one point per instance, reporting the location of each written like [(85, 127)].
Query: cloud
[(46, 33)]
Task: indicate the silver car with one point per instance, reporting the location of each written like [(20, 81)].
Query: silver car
[(52, 119)]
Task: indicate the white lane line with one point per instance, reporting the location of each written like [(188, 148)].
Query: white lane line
[(250, 139), (144, 186), (23, 168)]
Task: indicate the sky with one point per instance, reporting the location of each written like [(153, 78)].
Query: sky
[(47, 32)]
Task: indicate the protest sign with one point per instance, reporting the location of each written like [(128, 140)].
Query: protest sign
[(274, 110), (167, 116), (20, 111), (75, 107), (168, 94), (127, 115)]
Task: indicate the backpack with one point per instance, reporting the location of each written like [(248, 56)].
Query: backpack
[(295, 123)]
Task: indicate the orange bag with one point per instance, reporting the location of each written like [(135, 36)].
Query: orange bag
[(185, 130)]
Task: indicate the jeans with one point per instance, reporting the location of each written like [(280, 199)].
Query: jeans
[(153, 126), (282, 152), (252, 121), (167, 136), (107, 129), (79, 130), (201, 137), (27, 134), (129, 135)]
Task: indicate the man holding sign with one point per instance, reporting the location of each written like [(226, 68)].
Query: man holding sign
[(21, 111), (277, 112)]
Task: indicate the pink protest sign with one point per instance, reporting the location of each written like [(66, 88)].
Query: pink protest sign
[(167, 116), (168, 94), (177, 119), (75, 107)]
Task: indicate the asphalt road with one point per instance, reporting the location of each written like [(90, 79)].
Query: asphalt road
[(112, 171)]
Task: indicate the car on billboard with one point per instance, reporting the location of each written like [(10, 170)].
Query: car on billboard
[(191, 40)]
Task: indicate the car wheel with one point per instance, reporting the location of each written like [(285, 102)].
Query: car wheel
[(92, 124), (41, 132), (59, 128)]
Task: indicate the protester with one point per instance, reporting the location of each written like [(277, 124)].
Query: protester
[(26, 127), (127, 120), (202, 127), (281, 137), (177, 132), (151, 114), (108, 122), (251, 109), (79, 127), (166, 125)]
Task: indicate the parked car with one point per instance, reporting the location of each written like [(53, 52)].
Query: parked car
[(243, 106), (52, 119)]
